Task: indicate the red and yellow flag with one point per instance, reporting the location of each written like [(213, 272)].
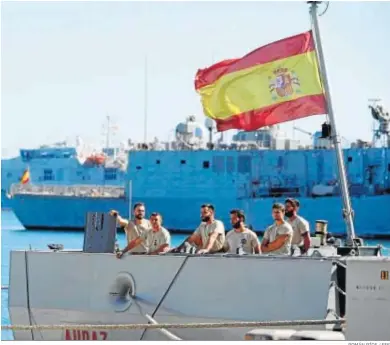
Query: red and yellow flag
[(25, 177), (276, 83)]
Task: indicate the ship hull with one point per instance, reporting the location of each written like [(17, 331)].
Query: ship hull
[(368, 211), (62, 212), (56, 212), (170, 288)]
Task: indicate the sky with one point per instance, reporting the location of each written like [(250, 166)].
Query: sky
[(66, 65)]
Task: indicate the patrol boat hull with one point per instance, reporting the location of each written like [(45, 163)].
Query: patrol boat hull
[(76, 288), (85, 288)]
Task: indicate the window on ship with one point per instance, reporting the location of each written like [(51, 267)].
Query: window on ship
[(244, 164), (48, 175), (110, 174)]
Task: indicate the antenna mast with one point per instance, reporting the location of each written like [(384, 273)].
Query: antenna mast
[(146, 100), (382, 116), (108, 132)]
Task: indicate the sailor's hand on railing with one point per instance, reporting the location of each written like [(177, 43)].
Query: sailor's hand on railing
[(114, 213), (175, 250)]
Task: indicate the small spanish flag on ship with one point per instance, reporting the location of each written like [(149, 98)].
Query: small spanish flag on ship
[(25, 177)]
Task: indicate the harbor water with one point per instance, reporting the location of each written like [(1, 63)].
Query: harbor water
[(13, 236)]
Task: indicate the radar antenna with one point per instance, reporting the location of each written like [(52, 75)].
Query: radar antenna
[(186, 134), (210, 125), (381, 126)]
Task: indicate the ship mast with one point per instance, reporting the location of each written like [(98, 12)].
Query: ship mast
[(146, 100), (108, 132), (347, 210), (374, 102), (380, 115)]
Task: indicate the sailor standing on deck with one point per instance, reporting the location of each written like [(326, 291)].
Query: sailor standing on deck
[(209, 237), (240, 240), (134, 228), (301, 228), (277, 237), (157, 239)]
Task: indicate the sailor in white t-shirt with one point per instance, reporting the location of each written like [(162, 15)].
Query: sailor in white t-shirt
[(209, 237), (240, 240), (156, 239), (277, 237), (134, 227), (301, 235)]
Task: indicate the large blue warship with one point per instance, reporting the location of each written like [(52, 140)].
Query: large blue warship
[(63, 164), (251, 173)]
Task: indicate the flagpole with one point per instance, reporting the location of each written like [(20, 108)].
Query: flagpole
[(130, 191), (347, 210)]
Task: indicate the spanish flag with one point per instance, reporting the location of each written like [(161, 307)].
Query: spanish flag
[(25, 177), (276, 83)]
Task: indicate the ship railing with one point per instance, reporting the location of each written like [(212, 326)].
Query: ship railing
[(251, 191), (74, 190)]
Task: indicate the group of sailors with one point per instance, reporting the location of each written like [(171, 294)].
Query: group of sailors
[(289, 231)]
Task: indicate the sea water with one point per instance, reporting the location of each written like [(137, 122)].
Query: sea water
[(14, 236)]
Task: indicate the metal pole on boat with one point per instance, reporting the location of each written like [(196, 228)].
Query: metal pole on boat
[(130, 197), (347, 210)]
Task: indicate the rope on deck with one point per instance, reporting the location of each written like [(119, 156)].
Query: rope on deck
[(174, 325)]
